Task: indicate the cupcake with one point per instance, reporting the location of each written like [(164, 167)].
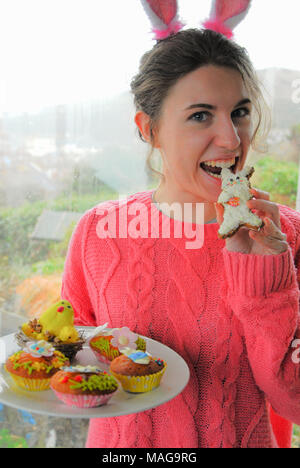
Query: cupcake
[(137, 371), (83, 386), (107, 343), (55, 325), (33, 367)]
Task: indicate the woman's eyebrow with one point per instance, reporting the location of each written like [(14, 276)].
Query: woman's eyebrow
[(211, 107)]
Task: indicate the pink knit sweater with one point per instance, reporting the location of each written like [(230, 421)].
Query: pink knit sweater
[(231, 316)]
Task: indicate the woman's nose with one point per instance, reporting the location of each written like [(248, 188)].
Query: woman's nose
[(227, 135)]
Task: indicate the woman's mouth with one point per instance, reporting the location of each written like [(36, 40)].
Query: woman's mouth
[(214, 168)]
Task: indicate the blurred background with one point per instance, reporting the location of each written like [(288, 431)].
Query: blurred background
[(68, 142)]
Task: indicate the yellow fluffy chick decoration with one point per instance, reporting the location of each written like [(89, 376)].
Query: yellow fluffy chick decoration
[(57, 321)]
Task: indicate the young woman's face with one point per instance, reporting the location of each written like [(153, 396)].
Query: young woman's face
[(205, 117)]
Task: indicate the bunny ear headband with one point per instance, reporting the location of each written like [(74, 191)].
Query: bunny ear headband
[(224, 16)]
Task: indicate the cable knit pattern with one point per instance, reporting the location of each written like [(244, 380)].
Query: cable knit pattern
[(231, 316), (226, 369)]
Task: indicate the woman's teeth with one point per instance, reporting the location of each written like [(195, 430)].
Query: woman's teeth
[(221, 163), (214, 168)]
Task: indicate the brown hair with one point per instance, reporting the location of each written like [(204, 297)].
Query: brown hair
[(181, 53)]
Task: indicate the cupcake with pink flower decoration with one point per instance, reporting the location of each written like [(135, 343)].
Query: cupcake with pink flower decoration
[(107, 343), (33, 367)]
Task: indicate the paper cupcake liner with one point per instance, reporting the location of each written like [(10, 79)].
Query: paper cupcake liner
[(139, 384), (83, 401), (100, 357), (34, 385), (107, 354)]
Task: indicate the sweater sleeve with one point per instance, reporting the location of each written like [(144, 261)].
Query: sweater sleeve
[(263, 292), (76, 287)]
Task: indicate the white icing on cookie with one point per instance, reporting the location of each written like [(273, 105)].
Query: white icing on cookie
[(235, 193)]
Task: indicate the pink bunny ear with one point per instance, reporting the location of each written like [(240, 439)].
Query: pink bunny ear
[(163, 17), (225, 15)]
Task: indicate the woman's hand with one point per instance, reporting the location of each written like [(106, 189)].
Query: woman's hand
[(269, 240)]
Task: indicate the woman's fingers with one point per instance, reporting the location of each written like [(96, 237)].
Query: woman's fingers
[(260, 193), (219, 212), (270, 237), (265, 207)]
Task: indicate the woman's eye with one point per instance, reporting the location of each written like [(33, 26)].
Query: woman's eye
[(200, 116), (241, 112)]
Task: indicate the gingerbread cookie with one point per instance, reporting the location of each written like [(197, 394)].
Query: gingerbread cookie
[(234, 196)]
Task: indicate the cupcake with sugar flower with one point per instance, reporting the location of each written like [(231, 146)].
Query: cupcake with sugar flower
[(33, 367), (107, 343), (137, 371)]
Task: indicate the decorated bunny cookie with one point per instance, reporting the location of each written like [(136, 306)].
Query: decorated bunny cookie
[(235, 193)]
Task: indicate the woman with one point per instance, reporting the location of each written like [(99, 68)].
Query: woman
[(229, 308)]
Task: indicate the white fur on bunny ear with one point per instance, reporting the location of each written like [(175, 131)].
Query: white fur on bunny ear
[(235, 20), (163, 15), (225, 15)]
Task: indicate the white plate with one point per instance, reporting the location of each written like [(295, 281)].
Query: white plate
[(173, 382)]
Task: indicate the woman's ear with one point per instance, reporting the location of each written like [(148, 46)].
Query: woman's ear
[(143, 122)]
